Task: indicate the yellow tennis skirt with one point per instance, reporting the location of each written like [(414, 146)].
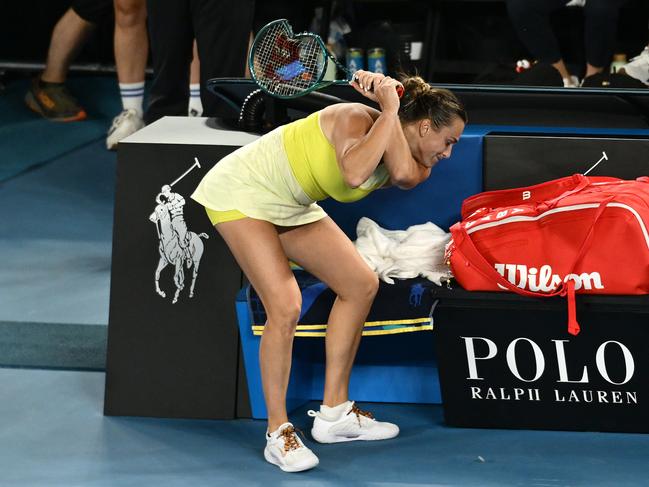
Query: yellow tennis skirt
[(257, 181)]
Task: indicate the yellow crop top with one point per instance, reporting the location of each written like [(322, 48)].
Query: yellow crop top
[(313, 161)]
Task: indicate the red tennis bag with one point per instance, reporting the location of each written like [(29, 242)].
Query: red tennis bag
[(572, 235)]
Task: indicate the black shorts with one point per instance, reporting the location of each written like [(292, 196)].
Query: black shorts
[(93, 11)]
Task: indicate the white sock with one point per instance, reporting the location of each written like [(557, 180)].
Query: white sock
[(132, 96), (195, 100), (334, 413)]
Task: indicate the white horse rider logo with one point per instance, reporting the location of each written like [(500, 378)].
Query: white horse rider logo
[(177, 245)]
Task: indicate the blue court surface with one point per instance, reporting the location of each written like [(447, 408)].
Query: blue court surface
[(56, 201), (54, 434)]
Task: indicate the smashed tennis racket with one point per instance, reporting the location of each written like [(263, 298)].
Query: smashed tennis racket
[(287, 65)]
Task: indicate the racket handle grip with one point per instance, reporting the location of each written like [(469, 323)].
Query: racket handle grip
[(398, 88)]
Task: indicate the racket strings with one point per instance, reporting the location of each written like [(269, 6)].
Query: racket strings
[(286, 66)]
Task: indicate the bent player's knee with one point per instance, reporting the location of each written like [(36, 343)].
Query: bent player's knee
[(361, 286), (283, 312)]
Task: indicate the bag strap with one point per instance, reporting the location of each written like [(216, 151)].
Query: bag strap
[(479, 263), (507, 197), (539, 193), (582, 183)]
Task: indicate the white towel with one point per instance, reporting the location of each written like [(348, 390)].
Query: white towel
[(417, 251)]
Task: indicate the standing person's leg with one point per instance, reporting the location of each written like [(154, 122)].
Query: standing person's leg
[(47, 94), (195, 108), (171, 36), (247, 71), (68, 37), (222, 31), (256, 247), (600, 32), (131, 41), (131, 46), (531, 18), (325, 251)]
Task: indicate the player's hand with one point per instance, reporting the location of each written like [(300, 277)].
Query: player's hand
[(367, 83), (385, 90), (364, 82)]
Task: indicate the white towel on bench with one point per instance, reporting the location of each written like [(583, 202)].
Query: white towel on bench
[(404, 254)]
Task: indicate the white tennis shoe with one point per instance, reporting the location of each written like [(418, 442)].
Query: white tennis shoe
[(571, 82), (352, 424), (126, 123), (285, 449)]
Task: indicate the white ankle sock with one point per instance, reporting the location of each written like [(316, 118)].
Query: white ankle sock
[(334, 413), (195, 100), (280, 427), (132, 96)]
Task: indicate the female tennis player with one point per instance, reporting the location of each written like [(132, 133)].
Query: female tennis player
[(262, 200)]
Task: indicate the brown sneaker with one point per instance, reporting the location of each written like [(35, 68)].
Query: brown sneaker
[(54, 102)]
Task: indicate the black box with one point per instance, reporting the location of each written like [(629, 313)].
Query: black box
[(171, 353), (507, 361)]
